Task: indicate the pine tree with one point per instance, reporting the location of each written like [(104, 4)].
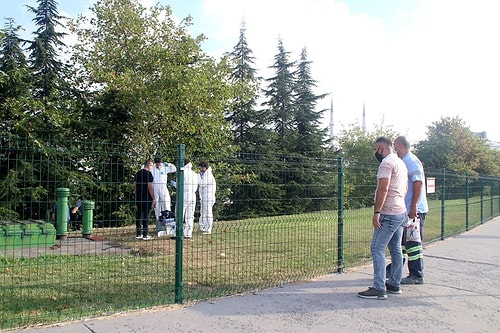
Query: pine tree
[(13, 65), (242, 114), (252, 136), (311, 137), (306, 155), (47, 69), (280, 103), (14, 77)]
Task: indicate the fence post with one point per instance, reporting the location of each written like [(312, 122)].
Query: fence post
[(467, 202), (491, 200), (443, 202), (179, 217), (482, 202), (340, 214), (498, 195)]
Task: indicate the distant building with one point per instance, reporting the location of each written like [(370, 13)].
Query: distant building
[(494, 145), (483, 135)]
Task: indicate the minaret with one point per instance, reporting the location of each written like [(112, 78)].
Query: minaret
[(363, 126), (331, 120)]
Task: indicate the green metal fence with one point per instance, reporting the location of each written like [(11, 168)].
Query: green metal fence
[(290, 230)]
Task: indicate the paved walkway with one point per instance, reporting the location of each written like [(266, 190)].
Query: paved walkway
[(461, 294)]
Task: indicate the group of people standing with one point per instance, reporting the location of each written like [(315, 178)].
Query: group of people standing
[(400, 204), (151, 191)]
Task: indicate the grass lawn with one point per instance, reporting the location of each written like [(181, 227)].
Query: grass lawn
[(238, 257)]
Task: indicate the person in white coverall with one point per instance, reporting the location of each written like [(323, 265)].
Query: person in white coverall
[(162, 195), (207, 188), (190, 188)]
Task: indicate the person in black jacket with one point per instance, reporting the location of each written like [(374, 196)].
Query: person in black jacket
[(144, 199)]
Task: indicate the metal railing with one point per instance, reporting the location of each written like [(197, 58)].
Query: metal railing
[(275, 223)]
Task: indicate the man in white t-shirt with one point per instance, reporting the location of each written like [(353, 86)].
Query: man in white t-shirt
[(389, 218)]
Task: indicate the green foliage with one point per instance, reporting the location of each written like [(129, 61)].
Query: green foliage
[(451, 145), (14, 73), (48, 70), (242, 114), (156, 87), (311, 138), (356, 147), (280, 98)]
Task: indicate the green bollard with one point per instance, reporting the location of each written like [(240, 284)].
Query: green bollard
[(87, 218), (62, 195)]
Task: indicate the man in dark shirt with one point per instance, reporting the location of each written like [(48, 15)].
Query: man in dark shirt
[(144, 199)]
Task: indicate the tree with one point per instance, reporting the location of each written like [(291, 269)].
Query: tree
[(152, 81), (47, 69), (307, 119), (360, 166), (451, 145), (242, 114), (14, 75), (280, 111), (307, 150)]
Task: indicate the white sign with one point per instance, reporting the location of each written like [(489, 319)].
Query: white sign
[(431, 185)]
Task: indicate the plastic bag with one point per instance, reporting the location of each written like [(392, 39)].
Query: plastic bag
[(413, 230)]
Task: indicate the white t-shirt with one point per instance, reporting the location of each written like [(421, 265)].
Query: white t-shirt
[(393, 168)]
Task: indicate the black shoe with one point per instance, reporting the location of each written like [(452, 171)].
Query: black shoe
[(373, 293), (391, 289), (412, 280)]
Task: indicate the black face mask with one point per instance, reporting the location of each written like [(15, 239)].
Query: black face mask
[(379, 156)]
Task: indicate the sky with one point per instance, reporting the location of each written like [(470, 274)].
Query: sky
[(408, 63)]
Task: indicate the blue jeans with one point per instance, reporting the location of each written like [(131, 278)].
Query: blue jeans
[(389, 235)]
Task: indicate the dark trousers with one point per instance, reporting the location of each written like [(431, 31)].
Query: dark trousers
[(415, 258), (142, 217), (413, 252)]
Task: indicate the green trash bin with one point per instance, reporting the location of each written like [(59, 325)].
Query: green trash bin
[(11, 235), (39, 234)]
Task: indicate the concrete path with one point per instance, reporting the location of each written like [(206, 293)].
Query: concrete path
[(461, 294)]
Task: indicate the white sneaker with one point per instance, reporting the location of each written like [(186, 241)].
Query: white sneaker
[(138, 237), (146, 238)]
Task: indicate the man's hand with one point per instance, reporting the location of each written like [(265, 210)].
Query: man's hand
[(376, 221)]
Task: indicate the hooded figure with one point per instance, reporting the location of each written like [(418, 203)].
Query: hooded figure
[(162, 195), (207, 188), (190, 188)]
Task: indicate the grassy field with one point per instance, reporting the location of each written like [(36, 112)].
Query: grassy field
[(239, 257)]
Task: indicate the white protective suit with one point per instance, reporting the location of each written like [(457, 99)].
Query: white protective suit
[(162, 195), (207, 188), (190, 188)]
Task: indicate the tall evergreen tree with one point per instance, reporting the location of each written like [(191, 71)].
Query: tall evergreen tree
[(242, 113), (310, 136), (14, 74), (251, 169), (47, 69), (309, 145), (307, 120), (280, 103)]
